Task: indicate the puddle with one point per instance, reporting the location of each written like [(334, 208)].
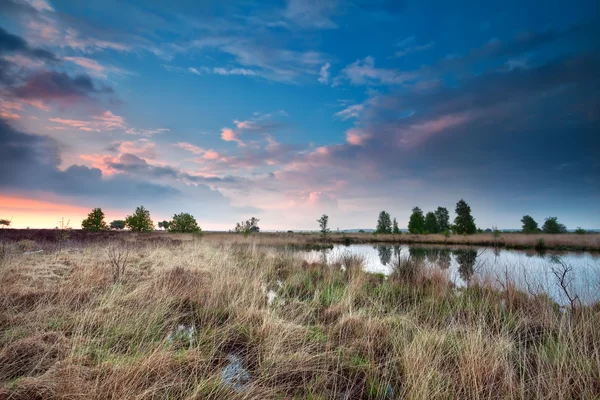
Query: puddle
[(235, 374)]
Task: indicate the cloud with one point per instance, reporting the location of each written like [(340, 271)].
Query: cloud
[(34, 161), (223, 71), (486, 125), (228, 135), (59, 87), (9, 109), (95, 68), (54, 32), (257, 58), (407, 46), (146, 132), (357, 137), (315, 14), (324, 74), (104, 122), (206, 154), (364, 72), (353, 111), (14, 44)]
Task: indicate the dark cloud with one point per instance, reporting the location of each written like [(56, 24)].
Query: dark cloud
[(43, 85), (10, 43), (16, 7), (522, 44), (59, 86), (30, 162), (503, 132)]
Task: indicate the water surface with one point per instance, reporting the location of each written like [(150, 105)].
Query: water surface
[(530, 271)]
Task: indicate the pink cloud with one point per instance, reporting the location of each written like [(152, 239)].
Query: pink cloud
[(142, 147), (95, 68), (228, 135), (37, 104), (111, 121), (356, 137), (211, 155), (190, 147), (206, 154), (7, 109), (416, 133)]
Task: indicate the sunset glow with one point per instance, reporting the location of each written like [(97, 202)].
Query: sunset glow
[(285, 110)]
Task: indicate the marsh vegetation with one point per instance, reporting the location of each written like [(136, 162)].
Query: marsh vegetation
[(192, 318)]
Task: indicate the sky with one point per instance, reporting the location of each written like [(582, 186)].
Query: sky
[(287, 110)]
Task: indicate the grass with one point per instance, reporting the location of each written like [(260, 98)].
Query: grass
[(70, 330)]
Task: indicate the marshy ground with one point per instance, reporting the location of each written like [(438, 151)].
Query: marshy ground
[(178, 317)]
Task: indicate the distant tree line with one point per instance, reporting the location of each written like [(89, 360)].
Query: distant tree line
[(140, 221), (438, 221)]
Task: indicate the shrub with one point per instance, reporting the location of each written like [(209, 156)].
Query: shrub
[(117, 224), (94, 221), (164, 224), (247, 227), (551, 225), (140, 220), (183, 223), (529, 224), (580, 231)]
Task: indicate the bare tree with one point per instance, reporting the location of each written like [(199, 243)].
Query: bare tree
[(117, 256), (562, 273)]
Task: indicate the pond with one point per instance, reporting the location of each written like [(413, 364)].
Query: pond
[(530, 271)]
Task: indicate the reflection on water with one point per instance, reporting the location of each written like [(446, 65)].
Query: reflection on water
[(466, 263), (531, 270), (385, 254)]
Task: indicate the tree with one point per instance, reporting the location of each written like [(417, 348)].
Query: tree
[(395, 229), (551, 225), (416, 223), (117, 224), (464, 223), (94, 221), (431, 224), (384, 223), (164, 224), (247, 227), (442, 218), (529, 224), (140, 221), (323, 221), (5, 222), (183, 223)]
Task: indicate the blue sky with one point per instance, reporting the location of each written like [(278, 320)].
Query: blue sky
[(285, 110)]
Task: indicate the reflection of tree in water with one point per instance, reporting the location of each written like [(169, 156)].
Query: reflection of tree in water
[(417, 253), (444, 259), (324, 253), (466, 263), (396, 251), (496, 252), (433, 256), (385, 254)]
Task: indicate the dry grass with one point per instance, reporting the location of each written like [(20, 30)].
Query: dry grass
[(568, 241), (69, 330)]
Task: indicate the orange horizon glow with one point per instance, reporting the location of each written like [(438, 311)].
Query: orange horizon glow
[(39, 214), (43, 214)]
